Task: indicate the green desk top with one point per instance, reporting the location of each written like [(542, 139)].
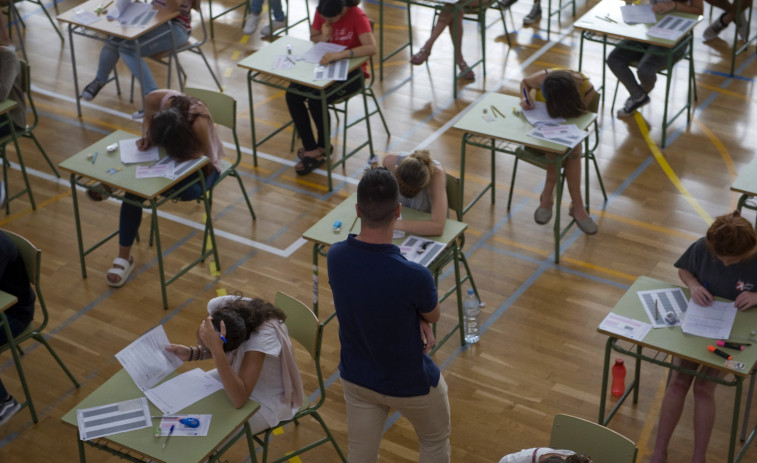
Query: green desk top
[(675, 342), (7, 105), (114, 28), (512, 127), (323, 231), (620, 30), (226, 419), (746, 182), (302, 72), (6, 300), (126, 180)]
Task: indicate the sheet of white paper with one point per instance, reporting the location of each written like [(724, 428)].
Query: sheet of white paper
[(284, 62), (137, 14), (570, 139), (183, 390), (118, 8), (115, 418), (335, 70), (130, 154), (668, 300), (624, 326), (85, 18), (147, 361), (638, 14), (671, 27), (183, 430), (714, 321), (421, 250), (315, 54), (539, 114), (154, 171)]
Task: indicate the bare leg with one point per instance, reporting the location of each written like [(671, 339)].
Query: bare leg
[(670, 412), (442, 21), (704, 414)]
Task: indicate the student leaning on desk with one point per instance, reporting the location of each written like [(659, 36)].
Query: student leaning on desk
[(722, 264), (650, 59), (250, 347), (181, 125)]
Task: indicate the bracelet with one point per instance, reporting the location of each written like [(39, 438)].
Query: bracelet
[(205, 353), (352, 53)]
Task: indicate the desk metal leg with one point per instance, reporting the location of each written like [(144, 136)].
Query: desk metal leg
[(458, 290), (77, 95), (82, 453), (327, 135), (159, 251), (252, 119), (316, 250), (558, 203), (735, 420), (77, 219)]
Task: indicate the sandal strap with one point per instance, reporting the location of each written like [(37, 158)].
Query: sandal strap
[(122, 262)]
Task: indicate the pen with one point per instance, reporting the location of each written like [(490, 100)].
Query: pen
[(353, 224), (94, 157), (731, 345), (220, 335), (719, 352), (170, 431), (289, 58), (607, 17), (525, 94), (497, 111)]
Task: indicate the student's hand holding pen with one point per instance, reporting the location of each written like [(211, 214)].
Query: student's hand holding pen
[(144, 143), (745, 300), (527, 102), (701, 296), (211, 338)]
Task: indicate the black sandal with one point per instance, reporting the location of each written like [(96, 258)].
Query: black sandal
[(301, 151), (99, 192), (309, 164)]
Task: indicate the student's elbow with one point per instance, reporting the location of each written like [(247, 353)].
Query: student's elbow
[(370, 49), (434, 315), (436, 229), (239, 403)]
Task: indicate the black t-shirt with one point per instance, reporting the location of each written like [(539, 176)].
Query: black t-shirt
[(13, 280)]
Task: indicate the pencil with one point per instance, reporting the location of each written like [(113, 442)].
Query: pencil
[(353, 224)]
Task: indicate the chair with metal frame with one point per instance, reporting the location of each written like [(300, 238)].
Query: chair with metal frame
[(602, 444), (211, 17), (303, 326), (27, 132), (14, 19), (32, 257)]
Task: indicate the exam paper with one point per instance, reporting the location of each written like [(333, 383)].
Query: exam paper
[(183, 390), (539, 114), (567, 135), (181, 429), (115, 418), (624, 326), (638, 14), (133, 14), (421, 250), (671, 27), (713, 321), (668, 300), (130, 154), (147, 361), (335, 70), (315, 54)]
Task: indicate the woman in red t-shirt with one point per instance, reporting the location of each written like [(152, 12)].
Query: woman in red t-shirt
[(344, 23)]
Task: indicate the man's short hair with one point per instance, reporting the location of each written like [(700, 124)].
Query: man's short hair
[(377, 197)]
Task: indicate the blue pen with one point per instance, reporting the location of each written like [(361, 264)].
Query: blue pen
[(525, 94), (170, 431), (221, 336), (94, 157)]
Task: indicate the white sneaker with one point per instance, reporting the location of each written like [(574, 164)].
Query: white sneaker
[(8, 408), (268, 30), (251, 24), (139, 115), (533, 15)]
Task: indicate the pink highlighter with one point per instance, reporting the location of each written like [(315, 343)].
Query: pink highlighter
[(730, 345)]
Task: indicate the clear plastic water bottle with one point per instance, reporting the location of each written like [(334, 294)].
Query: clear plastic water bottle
[(472, 312)]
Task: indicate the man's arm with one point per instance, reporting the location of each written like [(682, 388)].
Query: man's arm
[(432, 316)]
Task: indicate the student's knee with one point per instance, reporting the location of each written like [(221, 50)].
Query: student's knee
[(647, 78), (704, 389)]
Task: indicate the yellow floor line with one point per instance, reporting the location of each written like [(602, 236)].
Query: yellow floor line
[(648, 226), (598, 268), (720, 147), (668, 170), (723, 91), (28, 211)]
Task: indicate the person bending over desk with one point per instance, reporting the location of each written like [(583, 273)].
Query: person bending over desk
[(447, 19), (727, 17), (567, 94), (250, 347), (545, 455), (423, 186), (13, 280), (114, 47), (722, 264), (343, 23), (182, 125), (650, 58)]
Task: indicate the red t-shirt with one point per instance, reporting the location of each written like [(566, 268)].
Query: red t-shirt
[(347, 30)]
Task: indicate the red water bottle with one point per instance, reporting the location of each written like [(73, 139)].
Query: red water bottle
[(618, 378)]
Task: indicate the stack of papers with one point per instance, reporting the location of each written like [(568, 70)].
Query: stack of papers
[(638, 14), (116, 418), (624, 326), (671, 27), (421, 250), (132, 13), (714, 321), (550, 128), (665, 300)]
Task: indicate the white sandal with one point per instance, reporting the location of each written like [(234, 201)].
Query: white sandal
[(122, 273)]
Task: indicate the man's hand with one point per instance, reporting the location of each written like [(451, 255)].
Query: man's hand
[(427, 336)]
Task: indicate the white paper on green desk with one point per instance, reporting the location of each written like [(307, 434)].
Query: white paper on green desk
[(181, 429), (714, 321), (147, 361), (106, 420), (638, 14), (671, 27), (421, 250), (130, 154), (335, 70), (624, 326), (183, 390), (539, 115), (317, 51)]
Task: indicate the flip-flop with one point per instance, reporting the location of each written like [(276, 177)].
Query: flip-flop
[(301, 152), (310, 164), (121, 273), (99, 192)]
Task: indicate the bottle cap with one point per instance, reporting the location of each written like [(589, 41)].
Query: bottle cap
[(618, 361), (470, 291)]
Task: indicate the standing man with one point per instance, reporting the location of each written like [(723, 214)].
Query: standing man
[(385, 305)]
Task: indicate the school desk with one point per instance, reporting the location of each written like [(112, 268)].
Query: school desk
[(260, 69), (102, 29), (227, 425), (322, 235), (660, 345), (594, 26), (157, 191), (746, 184), (504, 132)]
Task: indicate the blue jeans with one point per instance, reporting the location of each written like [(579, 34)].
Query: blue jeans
[(131, 214), (256, 7), (115, 48), (16, 326)]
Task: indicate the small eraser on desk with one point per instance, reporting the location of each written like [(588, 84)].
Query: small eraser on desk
[(112, 147)]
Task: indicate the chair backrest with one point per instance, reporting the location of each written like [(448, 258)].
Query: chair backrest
[(301, 323), (222, 107), (32, 257), (454, 200), (603, 445)]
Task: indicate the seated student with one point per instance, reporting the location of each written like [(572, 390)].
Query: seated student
[(648, 57), (250, 347), (447, 19), (545, 455), (423, 186), (721, 264), (343, 23), (181, 27), (566, 94), (182, 125), (11, 87), (727, 18), (256, 8), (13, 280)]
